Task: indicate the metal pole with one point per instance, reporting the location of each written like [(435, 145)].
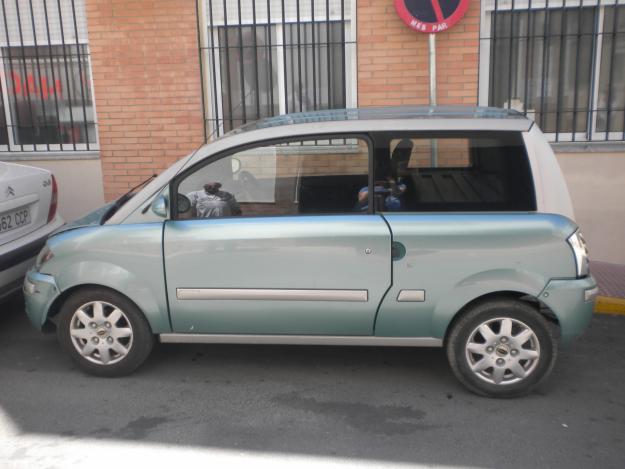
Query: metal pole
[(434, 143)]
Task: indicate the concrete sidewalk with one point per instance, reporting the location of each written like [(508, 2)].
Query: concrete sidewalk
[(611, 280)]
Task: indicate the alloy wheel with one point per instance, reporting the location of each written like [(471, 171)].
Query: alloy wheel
[(502, 351), (101, 332)]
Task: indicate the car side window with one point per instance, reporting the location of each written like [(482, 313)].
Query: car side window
[(477, 171), (295, 177)]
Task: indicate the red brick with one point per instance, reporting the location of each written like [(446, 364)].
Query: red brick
[(147, 85), (391, 54)]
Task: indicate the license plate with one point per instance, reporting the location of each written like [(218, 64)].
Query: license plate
[(13, 220)]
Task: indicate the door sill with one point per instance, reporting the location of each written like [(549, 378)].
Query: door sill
[(300, 340)]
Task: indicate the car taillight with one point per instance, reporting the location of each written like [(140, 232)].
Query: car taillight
[(53, 200), (578, 244)]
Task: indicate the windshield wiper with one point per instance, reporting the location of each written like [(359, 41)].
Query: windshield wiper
[(123, 199)]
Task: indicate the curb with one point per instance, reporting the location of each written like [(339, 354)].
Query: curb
[(609, 305)]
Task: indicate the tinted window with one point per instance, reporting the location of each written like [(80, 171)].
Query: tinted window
[(298, 177), (452, 172)]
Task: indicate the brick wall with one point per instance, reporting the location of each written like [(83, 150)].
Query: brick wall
[(147, 86), (393, 66)]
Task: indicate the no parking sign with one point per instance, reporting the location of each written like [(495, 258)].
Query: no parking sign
[(431, 16)]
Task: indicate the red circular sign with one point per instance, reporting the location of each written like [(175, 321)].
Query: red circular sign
[(431, 16)]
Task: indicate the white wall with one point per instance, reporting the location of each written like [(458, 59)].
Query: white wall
[(597, 185), (80, 184)]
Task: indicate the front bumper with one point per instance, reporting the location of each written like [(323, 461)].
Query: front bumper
[(573, 302), (40, 291), (17, 256)]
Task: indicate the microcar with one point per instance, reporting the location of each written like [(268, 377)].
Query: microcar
[(407, 227)]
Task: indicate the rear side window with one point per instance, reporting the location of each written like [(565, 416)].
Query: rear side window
[(478, 171)]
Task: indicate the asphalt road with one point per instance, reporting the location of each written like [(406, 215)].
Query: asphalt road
[(274, 406)]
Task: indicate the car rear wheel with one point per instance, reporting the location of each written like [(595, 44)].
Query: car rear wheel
[(103, 332), (501, 348)]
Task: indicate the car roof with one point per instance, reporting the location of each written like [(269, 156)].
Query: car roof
[(366, 120), (383, 113)]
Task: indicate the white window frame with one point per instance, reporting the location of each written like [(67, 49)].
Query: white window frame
[(216, 126), (488, 6)]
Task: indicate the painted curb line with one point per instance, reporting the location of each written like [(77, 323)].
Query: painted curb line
[(609, 305)]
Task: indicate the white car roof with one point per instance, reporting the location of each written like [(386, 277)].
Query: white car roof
[(383, 114), (400, 118)]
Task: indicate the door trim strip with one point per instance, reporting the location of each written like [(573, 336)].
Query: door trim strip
[(411, 295), (300, 340), (271, 294)]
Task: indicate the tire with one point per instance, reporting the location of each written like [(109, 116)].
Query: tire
[(522, 344), (86, 331)]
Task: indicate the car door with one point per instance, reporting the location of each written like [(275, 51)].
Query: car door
[(278, 240)]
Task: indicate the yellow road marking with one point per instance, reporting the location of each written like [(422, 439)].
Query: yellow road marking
[(609, 305)]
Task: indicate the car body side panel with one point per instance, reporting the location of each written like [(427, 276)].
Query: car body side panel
[(126, 258), (336, 252), (456, 258), (552, 194)]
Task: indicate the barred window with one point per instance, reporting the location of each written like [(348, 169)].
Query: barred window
[(248, 81), (610, 117), (558, 62), (47, 100), (264, 58), (315, 74)]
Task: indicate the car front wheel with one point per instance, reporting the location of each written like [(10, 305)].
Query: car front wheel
[(501, 348), (104, 333)]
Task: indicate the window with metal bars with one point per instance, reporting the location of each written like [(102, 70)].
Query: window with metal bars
[(559, 62), (45, 77), (262, 58)]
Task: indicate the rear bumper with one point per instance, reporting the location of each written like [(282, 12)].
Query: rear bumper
[(23, 253), (8, 288), (40, 291), (573, 302), (27, 247), (17, 256)]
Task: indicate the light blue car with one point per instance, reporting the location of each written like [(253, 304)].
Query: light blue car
[(435, 227)]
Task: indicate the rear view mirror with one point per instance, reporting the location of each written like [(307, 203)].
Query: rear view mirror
[(160, 205), (236, 165)]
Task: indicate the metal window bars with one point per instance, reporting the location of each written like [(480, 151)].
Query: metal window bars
[(261, 58), (46, 99), (561, 62)]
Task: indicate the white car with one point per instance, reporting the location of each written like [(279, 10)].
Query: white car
[(28, 215)]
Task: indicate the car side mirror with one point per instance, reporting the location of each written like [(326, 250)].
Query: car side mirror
[(160, 205)]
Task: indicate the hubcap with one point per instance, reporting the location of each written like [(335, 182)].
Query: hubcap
[(502, 351), (101, 332)]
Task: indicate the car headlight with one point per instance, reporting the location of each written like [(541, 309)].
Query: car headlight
[(576, 240), (44, 256)]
